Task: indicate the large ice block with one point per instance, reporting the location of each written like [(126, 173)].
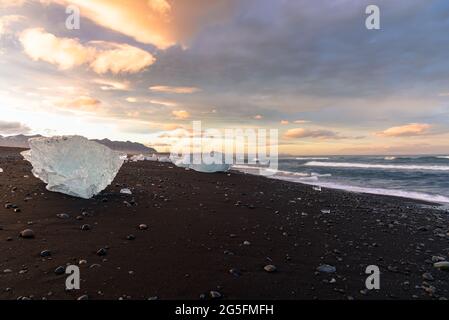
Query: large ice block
[(73, 165)]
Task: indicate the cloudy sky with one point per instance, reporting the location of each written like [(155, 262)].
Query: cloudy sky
[(142, 69)]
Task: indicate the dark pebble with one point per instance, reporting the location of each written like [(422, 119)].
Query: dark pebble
[(27, 234), (85, 227), (45, 253), (60, 270), (102, 252)]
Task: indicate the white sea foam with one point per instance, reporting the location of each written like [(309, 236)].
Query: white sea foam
[(257, 170), (387, 192), (312, 158), (313, 180), (314, 174), (378, 191), (443, 157), (375, 166)]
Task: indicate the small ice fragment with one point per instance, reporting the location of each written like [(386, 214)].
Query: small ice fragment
[(325, 211), (164, 159), (153, 157), (126, 191), (317, 188), (216, 164), (1, 170), (138, 157)]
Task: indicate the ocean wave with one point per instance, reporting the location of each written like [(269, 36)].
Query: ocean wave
[(434, 198), (314, 174), (442, 157), (313, 179), (257, 169), (312, 158), (375, 166)]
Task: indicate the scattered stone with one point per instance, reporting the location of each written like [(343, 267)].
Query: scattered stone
[(438, 259), (131, 237), (325, 268), (27, 234), (246, 243), (270, 268), (215, 295), (17, 210), (427, 276), (86, 227), (143, 227), (442, 265), (60, 270), (63, 216), (102, 252), (235, 272), (45, 253)]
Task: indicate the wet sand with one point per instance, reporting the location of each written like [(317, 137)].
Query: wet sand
[(202, 226)]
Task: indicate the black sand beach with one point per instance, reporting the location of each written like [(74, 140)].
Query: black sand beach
[(214, 232)]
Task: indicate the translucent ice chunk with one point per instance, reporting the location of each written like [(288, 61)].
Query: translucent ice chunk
[(73, 165), (163, 159), (138, 157), (204, 166)]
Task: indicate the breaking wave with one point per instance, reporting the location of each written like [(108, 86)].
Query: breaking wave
[(385, 192), (376, 166)]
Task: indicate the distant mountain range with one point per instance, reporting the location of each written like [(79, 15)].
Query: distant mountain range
[(21, 141), (127, 147)]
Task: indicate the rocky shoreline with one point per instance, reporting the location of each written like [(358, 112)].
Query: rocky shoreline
[(187, 235)]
